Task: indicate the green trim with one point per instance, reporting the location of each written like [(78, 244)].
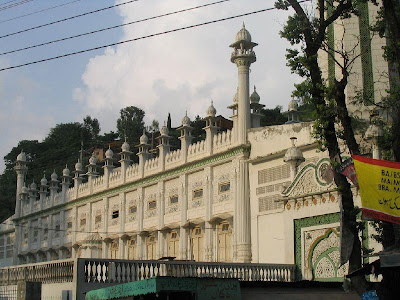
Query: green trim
[(305, 169), (331, 50), (325, 254), (309, 222), (366, 55), (242, 149)]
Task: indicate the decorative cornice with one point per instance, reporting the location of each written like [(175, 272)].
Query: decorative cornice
[(239, 150)]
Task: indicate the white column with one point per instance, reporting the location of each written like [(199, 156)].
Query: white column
[(161, 213), (140, 207), (242, 213), (208, 193), (74, 214), (122, 219), (183, 236), (244, 101), (104, 249)]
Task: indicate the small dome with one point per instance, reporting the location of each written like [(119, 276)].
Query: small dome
[(125, 147), (109, 153), (24, 190), (144, 139), (53, 176), (293, 105), (236, 97), (92, 160), (293, 153), (66, 172), (186, 120), (21, 156), (43, 181), (243, 35), (33, 186), (211, 111), (78, 166), (164, 130), (254, 98)]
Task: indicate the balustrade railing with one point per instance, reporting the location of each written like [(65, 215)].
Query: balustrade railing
[(49, 272), (119, 271)]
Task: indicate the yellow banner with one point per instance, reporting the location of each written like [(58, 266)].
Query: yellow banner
[(379, 183)]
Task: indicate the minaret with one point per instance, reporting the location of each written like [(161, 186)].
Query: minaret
[(65, 182), (21, 169), (211, 127), (143, 152), (293, 114), (78, 177), (92, 171), (163, 145), (234, 116), (108, 165), (256, 108), (186, 136), (243, 56), (53, 186), (125, 158), (43, 191)]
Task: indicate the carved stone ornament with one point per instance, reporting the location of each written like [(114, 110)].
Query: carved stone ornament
[(312, 178)]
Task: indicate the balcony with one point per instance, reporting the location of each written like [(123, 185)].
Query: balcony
[(85, 274)]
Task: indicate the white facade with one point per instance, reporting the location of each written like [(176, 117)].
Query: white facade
[(244, 195)]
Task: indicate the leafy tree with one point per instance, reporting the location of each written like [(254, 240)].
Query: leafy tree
[(92, 126), (198, 133), (273, 116), (327, 100), (169, 122), (131, 124)]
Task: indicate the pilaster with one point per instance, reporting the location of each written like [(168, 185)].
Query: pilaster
[(183, 236), (208, 232)]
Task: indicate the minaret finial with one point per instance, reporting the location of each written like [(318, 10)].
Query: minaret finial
[(254, 88), (244, 25)]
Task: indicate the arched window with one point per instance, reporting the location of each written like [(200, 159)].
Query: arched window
[(224, 242), (114, 249), (173, 244), (151, 245), (197, 243), (132, 248)]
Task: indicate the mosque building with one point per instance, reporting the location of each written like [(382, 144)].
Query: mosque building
[(250, 194)]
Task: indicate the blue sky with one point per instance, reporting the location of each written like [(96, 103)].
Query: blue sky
[(171, 73)]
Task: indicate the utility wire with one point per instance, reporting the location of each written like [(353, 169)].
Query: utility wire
[(67, 19), (113, 27), (14, 4), (142, 37), (39, 11)]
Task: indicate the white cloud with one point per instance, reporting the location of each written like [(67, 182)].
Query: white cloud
[(184, 70)]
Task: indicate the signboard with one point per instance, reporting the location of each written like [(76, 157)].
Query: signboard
[(379, 183)]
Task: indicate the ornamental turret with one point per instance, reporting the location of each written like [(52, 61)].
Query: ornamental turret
[(143, 152), (65, 181), (53, 186), (92, 171), (163, 145), (293, 114), (234, 116), (243, 56), (255, 108), (21, 169), (108, 165), (211, 127), (78, 173), (125, 158), (186, 136), (43, 190), (294, 157)]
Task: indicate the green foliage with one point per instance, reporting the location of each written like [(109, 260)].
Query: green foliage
[(273, 116), (130, 124), (198, 133)]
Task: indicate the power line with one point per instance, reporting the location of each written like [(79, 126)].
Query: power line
[(113, 27), (14, 4), (142, 38), (67, 19), (39, 11)]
